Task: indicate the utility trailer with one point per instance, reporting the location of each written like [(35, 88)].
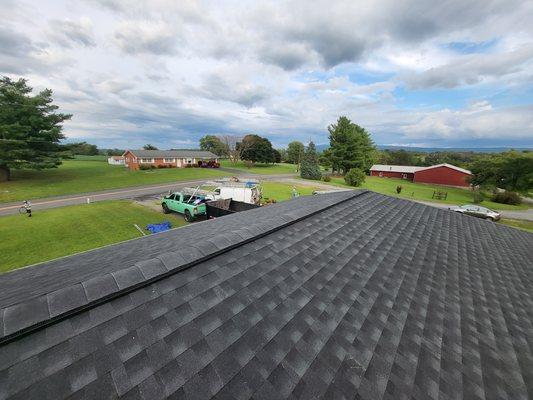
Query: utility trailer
[(221, 207)]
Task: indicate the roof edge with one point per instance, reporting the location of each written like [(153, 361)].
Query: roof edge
[(25, 317)]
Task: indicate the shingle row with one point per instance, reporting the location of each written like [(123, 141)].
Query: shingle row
[(31, 313)]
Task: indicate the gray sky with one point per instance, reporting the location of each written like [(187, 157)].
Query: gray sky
[(419, 73)]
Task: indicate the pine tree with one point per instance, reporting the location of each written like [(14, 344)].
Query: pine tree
[(310, 168), (350, 146)]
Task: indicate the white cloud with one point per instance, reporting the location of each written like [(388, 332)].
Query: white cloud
[(166, 72)]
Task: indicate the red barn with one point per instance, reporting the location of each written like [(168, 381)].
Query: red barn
[(441, 174)]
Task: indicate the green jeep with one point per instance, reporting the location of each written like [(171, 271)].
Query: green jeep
[(189, 205)]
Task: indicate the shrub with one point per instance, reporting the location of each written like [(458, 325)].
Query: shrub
[(145, 167), (354, 177), (507, 198), (326, 178), (477, 197), (248, 164)]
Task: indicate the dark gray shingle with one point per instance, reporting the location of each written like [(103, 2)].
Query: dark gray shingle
[(372, 298)]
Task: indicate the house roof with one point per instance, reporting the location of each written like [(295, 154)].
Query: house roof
[(173, 153), (348, 294), (407, 169)]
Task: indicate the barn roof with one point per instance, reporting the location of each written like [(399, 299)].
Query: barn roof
[(350, 294), (173, 153), (407, 169), (404, 169), (464, 171)]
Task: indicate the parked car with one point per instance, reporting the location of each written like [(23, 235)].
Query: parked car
[(191, 206), (477, 211)]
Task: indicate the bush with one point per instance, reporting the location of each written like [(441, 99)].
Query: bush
[(477, 197), (326, 178), (354, 177), (144, 167), (507, 198)]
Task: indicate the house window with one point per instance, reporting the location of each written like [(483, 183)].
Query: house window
[(189, 161), (170, 160), (147, 160)]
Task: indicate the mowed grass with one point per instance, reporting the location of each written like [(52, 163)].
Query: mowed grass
[(518, 223), (419, 191), (58, 232), (282, 191), (81, 176), (264, 169)]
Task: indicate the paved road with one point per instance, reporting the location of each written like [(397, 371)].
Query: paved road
[(116, 194), (526, 214)]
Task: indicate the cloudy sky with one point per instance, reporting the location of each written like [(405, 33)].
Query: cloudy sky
[(416, 73)]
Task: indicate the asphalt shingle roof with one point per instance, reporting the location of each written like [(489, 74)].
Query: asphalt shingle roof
[(174, 153), (348, 295)]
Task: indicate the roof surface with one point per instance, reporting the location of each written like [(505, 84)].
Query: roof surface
[(395, 168), (345, 295), (173, 153), (464, 171), (407, 169)]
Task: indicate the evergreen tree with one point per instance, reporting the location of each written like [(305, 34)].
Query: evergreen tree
[(310, 168), (350, 146), (30, 128)]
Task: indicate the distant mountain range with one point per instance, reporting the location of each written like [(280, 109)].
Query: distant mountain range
[(322, 147)]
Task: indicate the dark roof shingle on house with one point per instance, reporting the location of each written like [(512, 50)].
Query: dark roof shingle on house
[(346, 295), (173, 154)]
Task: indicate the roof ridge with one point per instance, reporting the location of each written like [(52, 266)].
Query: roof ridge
[(22, 318)]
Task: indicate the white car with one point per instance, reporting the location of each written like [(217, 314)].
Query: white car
[(477, 211)]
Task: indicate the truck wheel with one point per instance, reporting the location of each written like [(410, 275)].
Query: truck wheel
[(166, 210), (188, 216)]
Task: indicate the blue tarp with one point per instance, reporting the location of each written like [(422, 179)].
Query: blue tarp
[(163, 226)]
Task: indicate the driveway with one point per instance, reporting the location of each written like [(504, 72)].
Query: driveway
[(117, 194)]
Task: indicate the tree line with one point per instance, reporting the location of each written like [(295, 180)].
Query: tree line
[(31, 135)]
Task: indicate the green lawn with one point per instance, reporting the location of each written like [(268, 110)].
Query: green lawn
[(77, 176), (518, 223), (62, 231), (282, 191), (419, 191), (265, 169)]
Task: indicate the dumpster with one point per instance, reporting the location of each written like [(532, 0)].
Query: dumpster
[(219, 208)]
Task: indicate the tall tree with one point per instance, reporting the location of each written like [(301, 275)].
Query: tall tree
[(30, 128), (234, 147), (150, 147), (256, 149), (350, 146), (295, 153), (310, 168), (214, 144), (511, 170)]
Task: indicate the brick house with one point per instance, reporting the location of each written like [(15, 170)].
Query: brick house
[(441, 174), (167, 158)]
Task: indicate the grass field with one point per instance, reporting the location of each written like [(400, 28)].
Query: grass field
[(62, 231), (79, 176), (264, 169), (283, 191), (419, 191), (518, 223)]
